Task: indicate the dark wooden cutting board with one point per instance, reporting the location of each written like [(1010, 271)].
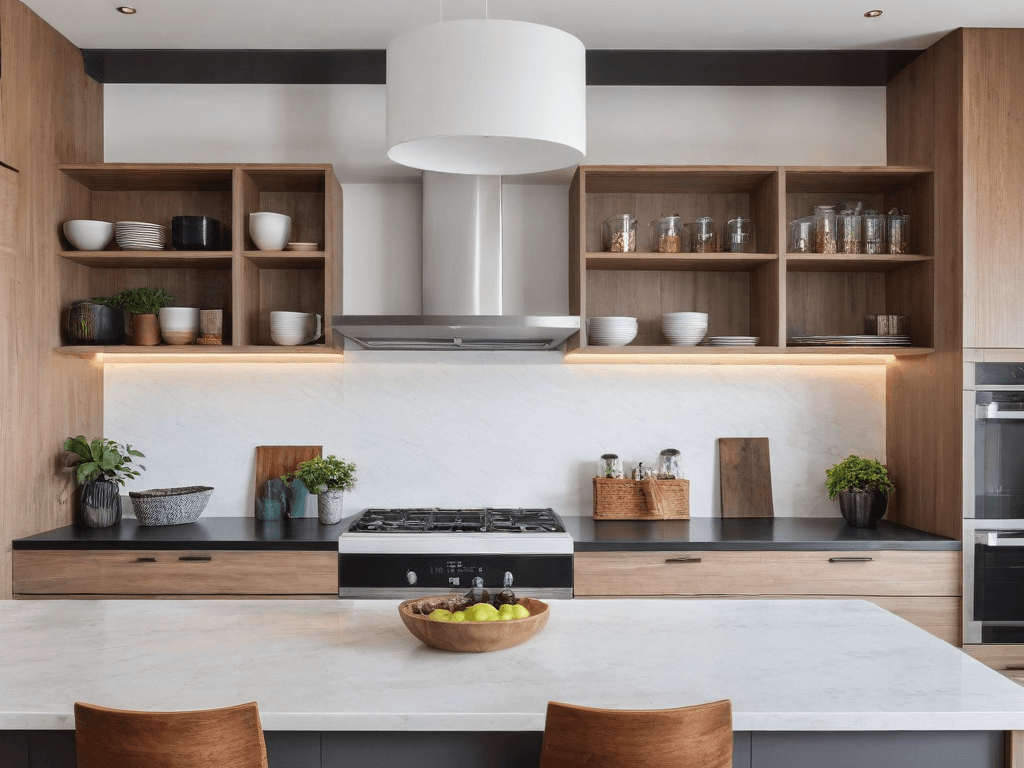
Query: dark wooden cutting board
[(272, 461), (746, 477)]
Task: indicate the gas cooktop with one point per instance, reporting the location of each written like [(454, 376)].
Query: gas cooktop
[(435, 520)]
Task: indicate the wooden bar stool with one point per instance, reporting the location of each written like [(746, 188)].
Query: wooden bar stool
[(688, 737), (211, 738)]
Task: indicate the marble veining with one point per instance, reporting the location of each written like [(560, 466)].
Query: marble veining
[(803, 665)]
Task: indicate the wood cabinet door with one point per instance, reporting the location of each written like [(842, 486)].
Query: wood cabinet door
[(10, 235)]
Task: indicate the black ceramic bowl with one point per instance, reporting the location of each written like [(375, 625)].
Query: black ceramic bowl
[(195, 233)]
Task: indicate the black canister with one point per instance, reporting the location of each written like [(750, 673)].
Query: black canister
[(195, 233), (90, 323)]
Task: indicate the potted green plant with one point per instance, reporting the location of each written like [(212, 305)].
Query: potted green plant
[(103, 467), (142, 304), (328, 478), (862, 487)]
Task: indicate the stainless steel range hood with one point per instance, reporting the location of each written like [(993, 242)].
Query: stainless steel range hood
[(462, 273)]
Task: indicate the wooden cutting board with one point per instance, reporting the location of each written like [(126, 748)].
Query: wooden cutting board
[(272, 461), (746, 477)]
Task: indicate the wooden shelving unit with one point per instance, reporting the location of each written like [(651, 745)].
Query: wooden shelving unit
[(246, 283), (771, 294)]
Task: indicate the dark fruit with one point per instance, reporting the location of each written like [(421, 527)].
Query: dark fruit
[(505, 597)]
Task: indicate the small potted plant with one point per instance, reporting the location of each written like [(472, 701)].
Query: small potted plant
[(103, 467), (862, 487), (143, 304), (328, 478)]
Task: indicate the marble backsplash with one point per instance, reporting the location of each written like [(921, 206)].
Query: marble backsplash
[(471, 429)]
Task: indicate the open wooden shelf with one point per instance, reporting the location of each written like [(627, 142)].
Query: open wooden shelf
[(686, 262), (247, 284), (771, 294), (168, 353)]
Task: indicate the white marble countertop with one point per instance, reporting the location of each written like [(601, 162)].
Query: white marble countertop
[(324, 665)]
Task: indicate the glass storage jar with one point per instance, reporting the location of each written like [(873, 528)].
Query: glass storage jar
[(825, 229), (668, 465), (667, 234), (801, 235), (873, 227), (899, 233), (739, 236), (609, 466), (848, 231), (620, 233), (703, 237)]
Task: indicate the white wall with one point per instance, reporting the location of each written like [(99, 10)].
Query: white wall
[(488, 429)]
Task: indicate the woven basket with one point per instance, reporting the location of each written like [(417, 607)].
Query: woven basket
[(170, 506), (641, 499)]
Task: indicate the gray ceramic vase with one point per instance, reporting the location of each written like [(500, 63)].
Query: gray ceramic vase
[(328, 506), (863, 509), (101, 503)]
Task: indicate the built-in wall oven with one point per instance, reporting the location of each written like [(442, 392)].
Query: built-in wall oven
[(994, 501)]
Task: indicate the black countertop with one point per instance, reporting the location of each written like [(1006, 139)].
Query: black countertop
[(701, 533), (706, 533)]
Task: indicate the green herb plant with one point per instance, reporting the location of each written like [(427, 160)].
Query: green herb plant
[(319, 474), (857, 474), (139, 301), (103, 460)]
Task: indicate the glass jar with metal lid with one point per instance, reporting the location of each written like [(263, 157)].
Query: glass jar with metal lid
[(620, 233), (668, 234)]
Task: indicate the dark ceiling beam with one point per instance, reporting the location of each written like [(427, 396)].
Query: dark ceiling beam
[(850, 68)]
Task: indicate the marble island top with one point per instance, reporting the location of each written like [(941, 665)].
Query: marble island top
[(800, 665)]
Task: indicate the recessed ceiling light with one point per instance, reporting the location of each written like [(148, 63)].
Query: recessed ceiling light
[(873, 14), (127, 10)]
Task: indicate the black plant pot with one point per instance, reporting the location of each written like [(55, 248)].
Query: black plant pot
[(101, 503), (195, 233), (90, 323), (863, 509)]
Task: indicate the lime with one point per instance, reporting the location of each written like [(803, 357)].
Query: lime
[(441, 615), (457, 617), (520, 611)]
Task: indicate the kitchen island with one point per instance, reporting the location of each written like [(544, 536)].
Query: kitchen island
[(343, 683)]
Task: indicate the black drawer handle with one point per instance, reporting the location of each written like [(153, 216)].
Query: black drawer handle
[(683, 560), (1013, 667), (851, 559), (145, 559), (196, 558)]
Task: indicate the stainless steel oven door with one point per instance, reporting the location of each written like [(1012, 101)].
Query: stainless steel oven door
[(999, 454), (994, 592)]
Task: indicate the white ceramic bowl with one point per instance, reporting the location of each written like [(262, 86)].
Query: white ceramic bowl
[(88, 235), (703, 316), (270, 231), (179, 319)]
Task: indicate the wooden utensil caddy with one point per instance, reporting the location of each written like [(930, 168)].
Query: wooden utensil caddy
[(641, 499)]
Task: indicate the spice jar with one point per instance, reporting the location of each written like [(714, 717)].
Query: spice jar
[(899, 235), (825, 229), (667, 234), (703, 237), (873, 228), (609, 466), (739, 236), (620, 233), (849, 231), (801, 235), (668, 465)]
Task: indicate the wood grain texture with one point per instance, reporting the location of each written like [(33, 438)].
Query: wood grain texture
[(827, 303), (745, 473), (52, 113), (231, 737), (121, 572), (583, 737), (889, 573), (272, 461), (924, 412), (649, 499), (577, 258), (1013, 756), (1008, 660), (10, 254)]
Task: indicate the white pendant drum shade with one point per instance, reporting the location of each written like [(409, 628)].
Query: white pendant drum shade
[(486, 97)]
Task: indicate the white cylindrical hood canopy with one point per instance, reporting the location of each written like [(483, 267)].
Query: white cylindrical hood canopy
[(486, 97)]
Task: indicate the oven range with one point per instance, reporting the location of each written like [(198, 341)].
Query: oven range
[(406, 553)]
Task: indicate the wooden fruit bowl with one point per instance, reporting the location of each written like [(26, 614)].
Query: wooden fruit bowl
[(475, 636)]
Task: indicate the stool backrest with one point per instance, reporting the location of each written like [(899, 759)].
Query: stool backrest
[(212, 738), (688, 737)]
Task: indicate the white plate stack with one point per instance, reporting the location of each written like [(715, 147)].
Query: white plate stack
[(611, 331), (733, 341), (140, 236), (684, 329)]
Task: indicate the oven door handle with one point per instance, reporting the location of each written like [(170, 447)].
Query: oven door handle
[(992, 411), (993, 539)]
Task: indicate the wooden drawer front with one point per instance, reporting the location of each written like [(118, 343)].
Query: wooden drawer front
[(177, 572), (1006, 659), (879, 573)]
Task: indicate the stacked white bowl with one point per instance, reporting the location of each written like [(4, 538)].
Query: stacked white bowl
[(290, 329), (684, 329), (141, 236), (611, 331)]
